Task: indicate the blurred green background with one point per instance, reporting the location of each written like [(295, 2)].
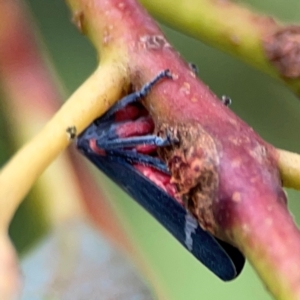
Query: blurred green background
[(263, 103)]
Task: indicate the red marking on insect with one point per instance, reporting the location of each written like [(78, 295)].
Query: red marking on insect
[(160, 179), (142, 126), (123, 144), (130, 112), (95, 148), (146, 149)]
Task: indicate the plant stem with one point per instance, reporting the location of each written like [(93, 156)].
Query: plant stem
[(289, 167), (92, 99), (250, 207), (231, 27), (269, 238), (133, 49)]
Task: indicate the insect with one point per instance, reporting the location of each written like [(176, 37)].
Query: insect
[(121, 144)]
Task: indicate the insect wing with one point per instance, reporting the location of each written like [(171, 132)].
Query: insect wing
[(221, 258)]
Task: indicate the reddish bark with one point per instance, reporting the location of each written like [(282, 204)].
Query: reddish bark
[(226, 173)]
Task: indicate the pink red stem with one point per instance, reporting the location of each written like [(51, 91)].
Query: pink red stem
[(247, 205)]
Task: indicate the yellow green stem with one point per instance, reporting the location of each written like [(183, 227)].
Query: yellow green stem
[(225, 25), (93, 98), (289, 167)]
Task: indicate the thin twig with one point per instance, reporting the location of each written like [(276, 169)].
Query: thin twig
[(94, 96), (289, 166), (256, 39)]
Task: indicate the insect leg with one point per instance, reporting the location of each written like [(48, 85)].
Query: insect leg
[(136, 96), (135, 157), (135, 141)]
